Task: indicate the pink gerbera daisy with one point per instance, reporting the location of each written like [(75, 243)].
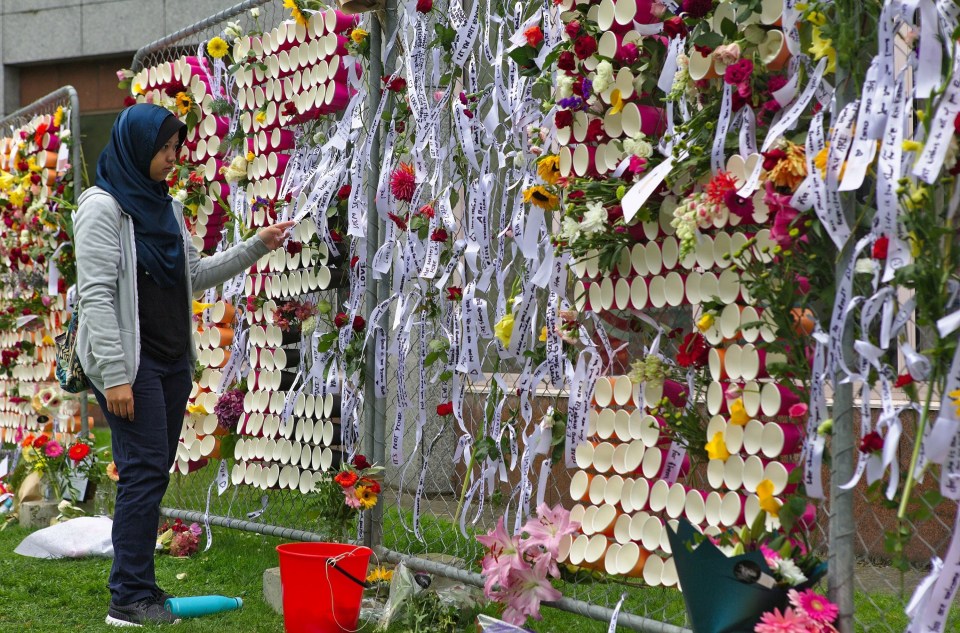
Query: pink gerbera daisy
[(53, 449), (403, 180), (815, 606), (789, 621)]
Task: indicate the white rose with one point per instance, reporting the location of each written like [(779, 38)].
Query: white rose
[(180, 195), (255, 12), (564, 87), (603, 77)]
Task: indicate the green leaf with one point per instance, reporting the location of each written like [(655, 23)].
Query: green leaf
[(326, 342), (446, 375), (729, 29), (709, 40)]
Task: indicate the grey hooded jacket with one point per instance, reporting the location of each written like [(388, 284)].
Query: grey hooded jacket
[(108, 333)]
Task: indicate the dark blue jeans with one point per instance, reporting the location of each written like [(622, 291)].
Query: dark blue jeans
[(144, 451)]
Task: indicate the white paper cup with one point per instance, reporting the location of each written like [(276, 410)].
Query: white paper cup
[(631, 560), (676, 499), (733, 472), (715, 470), (626, 495), (779, 473), (716, 402), (750, 394), (584, 455), (650, 536), (731, 509), (753, 437), (595, 492), (653, 571), (733, 438), (674, 290), (578, 549), (621, 294), (780, 439), (606, 423), (712, 506), (622, 391), (730, 321), (752, 473), (728, 286), (668, 576), (634, 457), (620, 459), (659, 494), (563, 552), (694, 506), (577, 512), (639, 296), (596, 548), (621, 425), (603, 392), (613, 490), (580, 485), (638, 259), (603, 457), (604, 521), (654, 259), (610, 558), (652, 463)]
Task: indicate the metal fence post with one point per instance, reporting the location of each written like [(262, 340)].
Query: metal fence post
[(374, 533)]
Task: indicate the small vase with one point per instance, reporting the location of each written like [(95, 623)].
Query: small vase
[(104, 499)]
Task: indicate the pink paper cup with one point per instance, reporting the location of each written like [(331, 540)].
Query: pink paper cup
[(780, 439), (776, 400)]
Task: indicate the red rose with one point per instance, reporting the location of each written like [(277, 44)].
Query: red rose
[(445, 409), (693, 351), (572, 29), (78, 451), (871, 443), (454, 293), (424, 6), (341, 319), (585, 46), (359, 323), (880, 247), (344, 192), (903, 381), (335, 236), (360, 462), (293, 247), (346, 478), (396, 84), (567, 61), (595, 131), (439, 235), (534, 35), (674, 27), (563, 118)]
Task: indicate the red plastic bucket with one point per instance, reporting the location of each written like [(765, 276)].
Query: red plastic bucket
[(320, 597)]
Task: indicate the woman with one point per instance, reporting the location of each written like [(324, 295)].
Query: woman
[(137, 272)]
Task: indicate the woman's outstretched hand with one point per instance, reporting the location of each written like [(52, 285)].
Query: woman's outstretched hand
[(274, 236)]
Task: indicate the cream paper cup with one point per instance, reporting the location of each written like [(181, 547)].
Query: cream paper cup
[(731, 509), (712, 506), (626, 493), (603, 457), (631, 559), (652, 528), (578, 549), (733, 472), (694, 506), (653, 571), (620, 459), (596, 548), (584, 455), (733, 438), (752, 473), (606, 421), (668, 576), (604, 521), (715, 471), (753, 437), (676, 499), (621, 425), (659, 493), (595, 492), (780, 439), (610, 558), (580, 485), (640, 494)]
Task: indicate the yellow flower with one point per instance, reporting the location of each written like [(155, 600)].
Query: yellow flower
[(717, 447), (955, 396), (217, 47), (548, 168), (504, 329), (792, 170), (616, 101), (912, 146), (197, 409), (820, 160), (295, 12), (705, 322), (199, 307), (380, 574), (47, 340), (137, 89), (915, 248), (768, 503), (541, 197), (17, 196), (358, 35), (184, 103), (366, 496), (816, 18), (6, 180), (250, 157), (738, 414), (543, 334), (821, 47), (261, 117), (58, 116)]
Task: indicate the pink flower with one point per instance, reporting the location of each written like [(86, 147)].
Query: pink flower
[(787, 622), (504, 556), (803, 284), (350, 498), (798, 410), (740, 207), (53, 449), (524, 595), (403, 180), (737, 73), (814, 606), (548, 529), (637, 165), (770, 556), (727, 53)]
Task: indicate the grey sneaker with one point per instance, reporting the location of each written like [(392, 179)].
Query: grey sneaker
[(147, 611), (162, 596)]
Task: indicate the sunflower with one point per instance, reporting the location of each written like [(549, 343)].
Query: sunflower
[(548, 168), (217, 47), (542, 197), (380, 574), (366, 496), (184, 103)]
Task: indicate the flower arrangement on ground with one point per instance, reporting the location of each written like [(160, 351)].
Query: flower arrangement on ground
[(340, 497), (517, 568), (178, 539)]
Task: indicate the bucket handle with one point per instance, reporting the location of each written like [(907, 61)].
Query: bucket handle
[(363, 583)]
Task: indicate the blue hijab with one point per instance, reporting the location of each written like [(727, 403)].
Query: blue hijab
[(123, 170)]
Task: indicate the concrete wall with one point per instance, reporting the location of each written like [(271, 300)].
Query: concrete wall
[(52, 33)]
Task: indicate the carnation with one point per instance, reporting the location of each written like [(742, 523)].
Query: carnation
[(228, 409)]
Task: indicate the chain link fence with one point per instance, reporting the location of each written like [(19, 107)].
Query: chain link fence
[(425, 499)]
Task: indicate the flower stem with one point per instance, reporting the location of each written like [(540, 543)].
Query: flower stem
[(918, 440)]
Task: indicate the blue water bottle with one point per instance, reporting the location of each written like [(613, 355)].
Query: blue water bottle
[(196, 606)]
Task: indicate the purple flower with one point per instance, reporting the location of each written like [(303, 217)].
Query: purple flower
[(229, 408), (572, 103)]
